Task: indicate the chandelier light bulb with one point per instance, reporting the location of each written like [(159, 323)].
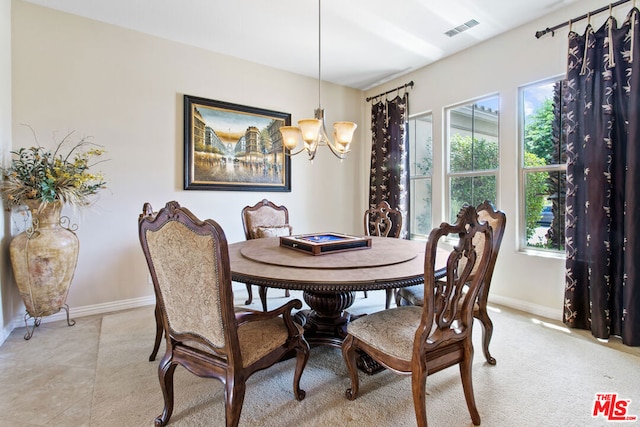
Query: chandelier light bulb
[(290, 136)]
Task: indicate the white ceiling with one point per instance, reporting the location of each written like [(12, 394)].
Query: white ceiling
[(364, 42)]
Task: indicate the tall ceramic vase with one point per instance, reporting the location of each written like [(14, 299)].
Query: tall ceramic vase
[(44, 260)]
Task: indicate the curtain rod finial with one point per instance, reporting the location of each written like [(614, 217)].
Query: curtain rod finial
[(545, 31)]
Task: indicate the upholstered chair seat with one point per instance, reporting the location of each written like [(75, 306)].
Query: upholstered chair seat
[(257, 339), (390, 331)]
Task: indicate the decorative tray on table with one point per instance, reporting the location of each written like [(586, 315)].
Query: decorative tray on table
[(325, 243)]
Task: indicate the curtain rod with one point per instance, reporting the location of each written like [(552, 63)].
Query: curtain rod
[(410, 84), (579, 18)]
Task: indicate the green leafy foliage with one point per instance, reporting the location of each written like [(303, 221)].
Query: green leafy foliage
[(36, 173), (472, 155), (538, 134), (536, 190)]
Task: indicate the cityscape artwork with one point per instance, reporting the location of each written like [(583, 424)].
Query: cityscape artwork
[(234, 147)]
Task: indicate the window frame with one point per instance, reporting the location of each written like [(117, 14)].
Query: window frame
[(419, 177), (448, 174), (524, 170)]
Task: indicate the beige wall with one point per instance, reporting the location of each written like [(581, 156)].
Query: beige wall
[(500, 66), (125, 89)]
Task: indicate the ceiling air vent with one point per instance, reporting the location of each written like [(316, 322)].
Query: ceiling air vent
[(460, 28)]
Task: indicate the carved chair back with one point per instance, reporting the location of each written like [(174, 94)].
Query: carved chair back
[(383, 220), (449, 301), (265, 219), (498, 221), (188, 261)]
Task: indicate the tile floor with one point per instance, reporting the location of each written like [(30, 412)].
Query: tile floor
[(48, 380)]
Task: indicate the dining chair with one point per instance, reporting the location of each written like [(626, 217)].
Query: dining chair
[(384, 221), (414, 295), (148, 212), (265, 219), (188, 260), (420, 341)]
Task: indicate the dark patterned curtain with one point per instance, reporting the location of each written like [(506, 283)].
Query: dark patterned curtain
[(603, 181), (389, 157)]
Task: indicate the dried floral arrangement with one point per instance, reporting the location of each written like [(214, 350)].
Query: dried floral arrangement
[(62, 174)]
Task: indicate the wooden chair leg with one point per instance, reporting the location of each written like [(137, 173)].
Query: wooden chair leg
[(235, 398), (250, 293), (262, 291), (419, 391), (398, 298), (156, 345), (349, 355), (467, 384), (302, 356), (487, 332), (165, 375), (390, 295)]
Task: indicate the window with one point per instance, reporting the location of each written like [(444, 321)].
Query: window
[(420, 170), (543, 166), (472, 142)]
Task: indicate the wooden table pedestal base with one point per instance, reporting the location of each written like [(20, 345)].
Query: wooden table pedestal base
[(326, 323)]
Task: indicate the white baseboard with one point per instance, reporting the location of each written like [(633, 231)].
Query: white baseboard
[(538, 310), (88, 310)]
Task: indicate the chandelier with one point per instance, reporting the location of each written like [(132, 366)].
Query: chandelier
[(312, 132)]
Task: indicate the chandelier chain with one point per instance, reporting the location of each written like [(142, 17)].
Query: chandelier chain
[(319, 51)]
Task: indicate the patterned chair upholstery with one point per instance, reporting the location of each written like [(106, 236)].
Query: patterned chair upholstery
[(265, 219), (420, 341), (188, 261), (414, 295), (385, 221)]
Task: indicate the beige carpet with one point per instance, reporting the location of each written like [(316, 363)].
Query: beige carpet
[(544, 377)]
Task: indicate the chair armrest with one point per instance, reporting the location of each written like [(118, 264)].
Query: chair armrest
[(284, 310)]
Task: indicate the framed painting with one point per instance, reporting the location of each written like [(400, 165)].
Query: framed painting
[(234, 147)]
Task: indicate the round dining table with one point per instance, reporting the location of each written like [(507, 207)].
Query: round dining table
[(329, 281)]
